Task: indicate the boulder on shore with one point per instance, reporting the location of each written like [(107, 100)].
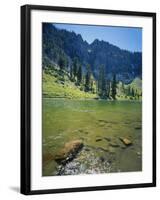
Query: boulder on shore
[(69, 151), (126, 141)]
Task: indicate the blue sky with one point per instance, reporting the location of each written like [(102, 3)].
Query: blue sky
[(123, 37)]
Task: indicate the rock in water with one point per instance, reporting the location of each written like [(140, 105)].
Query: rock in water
[(126, 141), (69, 151), (99, 139), (113, 144), (138, 127), (111, 150), (107, 138)]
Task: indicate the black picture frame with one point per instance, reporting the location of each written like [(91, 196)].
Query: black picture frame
[(26, 98)]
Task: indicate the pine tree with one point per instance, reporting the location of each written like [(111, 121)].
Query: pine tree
[(79, 75), (96, 85), (71, 73), (129, 91), (87, 79), (93, 85), (102, 85), (133, 93), (75, 67), (108, 87), (114, 86), (62, 63)]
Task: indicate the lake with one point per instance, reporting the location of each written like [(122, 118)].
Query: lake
[(100, 125)]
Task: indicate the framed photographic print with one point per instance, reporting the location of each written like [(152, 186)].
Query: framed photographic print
[(88, 99)]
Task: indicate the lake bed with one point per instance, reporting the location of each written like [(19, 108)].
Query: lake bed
[(100, 125)]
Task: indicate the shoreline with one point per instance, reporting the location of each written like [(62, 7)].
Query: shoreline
[(92, 99)]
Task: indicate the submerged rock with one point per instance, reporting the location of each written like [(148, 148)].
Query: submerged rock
[(112, 144), (102, 149), (102, 120), (138, 127), (126, 141), (107, 138), (123, 147), (47, 157), (80, 130), (69, 151), (99, 139), (87, 149), (111, 150), (138, 153), (102, 124)]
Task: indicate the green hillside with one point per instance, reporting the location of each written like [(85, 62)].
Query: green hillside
[(58, 85)]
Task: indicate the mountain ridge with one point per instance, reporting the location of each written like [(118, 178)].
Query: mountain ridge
[(59, 43)]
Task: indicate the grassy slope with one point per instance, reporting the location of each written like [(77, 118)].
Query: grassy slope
[(54, 87)]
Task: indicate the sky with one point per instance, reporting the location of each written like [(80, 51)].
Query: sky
[(124, 37)]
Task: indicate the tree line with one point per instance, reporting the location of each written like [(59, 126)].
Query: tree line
[(83, 78), (103, 87)]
